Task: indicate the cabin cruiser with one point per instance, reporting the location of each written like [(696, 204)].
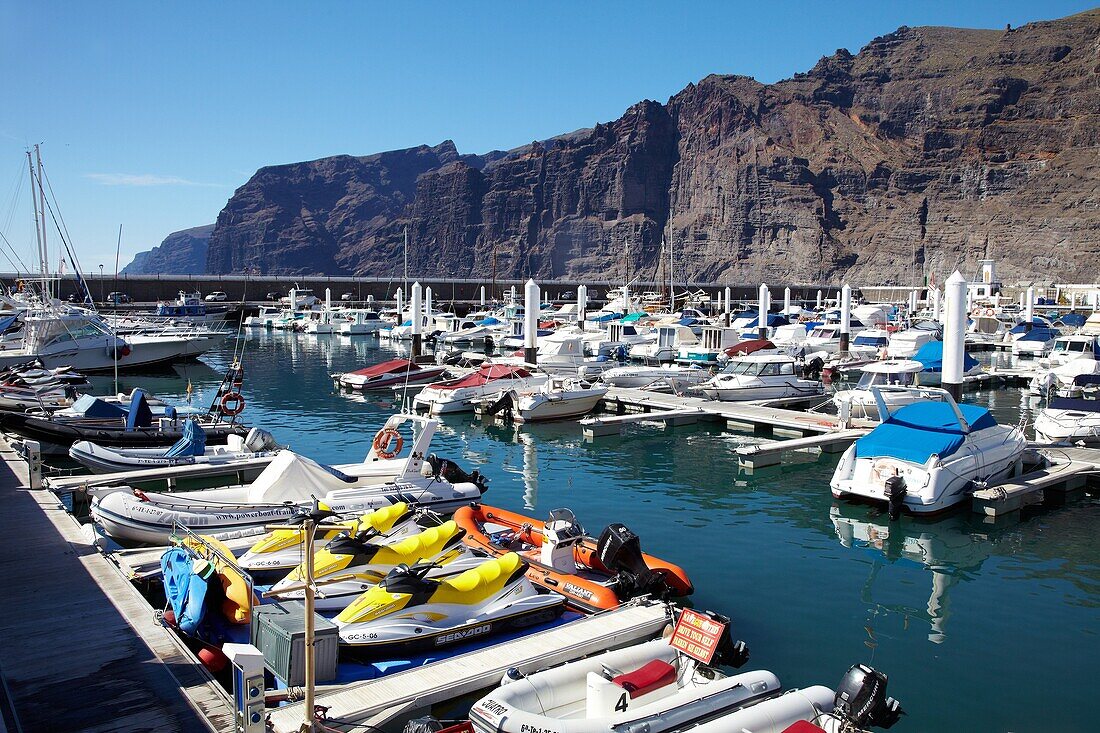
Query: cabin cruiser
[(670, 376), (190, 308), (760, 377), (563, 352), (928, 456), (461, 394), (892, 378), (360, 322), (986, 328), (266, 318), (713, 341), (905, 344), (390, 374), (291, 482), (1072, 347), (670, 340), (1035, 341), (484, 331), (555, 399), (870, 342), (1063, 381), (826, 337), (1068, 420)]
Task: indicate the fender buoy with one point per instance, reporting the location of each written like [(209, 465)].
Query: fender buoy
[(989, 311), (383, 441), (232, 404)]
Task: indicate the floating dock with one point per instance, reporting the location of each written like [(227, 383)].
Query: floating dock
[(768, 454), (1062, 470), (79, 647), (375, 702)]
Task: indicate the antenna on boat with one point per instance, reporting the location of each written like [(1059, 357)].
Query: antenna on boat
[(114, 333)]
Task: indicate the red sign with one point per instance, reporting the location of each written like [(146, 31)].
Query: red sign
[(697, 635)]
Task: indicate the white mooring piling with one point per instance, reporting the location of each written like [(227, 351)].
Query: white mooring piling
[(935, 295), (1029, 306), (954, 334), (818, 306), (400, 297), (582, 304), (762, 315), (417, 316), (786, 300), (845, 317), (531, 298), (482, 296)]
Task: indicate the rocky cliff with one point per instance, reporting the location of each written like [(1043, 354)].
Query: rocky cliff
[(928, 150), (181, 253)]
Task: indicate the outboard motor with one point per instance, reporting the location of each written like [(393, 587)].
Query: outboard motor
[(813, 368), (729, 652), (861, 699), (620, 551), (894, 489), (504, 404), (259, 440), (451, 473)]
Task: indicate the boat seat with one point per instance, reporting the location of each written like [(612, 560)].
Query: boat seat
[(644, 680), (427, 544), (383, 519), (477, 584)]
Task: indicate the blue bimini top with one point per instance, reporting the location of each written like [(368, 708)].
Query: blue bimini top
[(917, 431)]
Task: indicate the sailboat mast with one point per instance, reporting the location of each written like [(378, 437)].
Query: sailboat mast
[(42, 208), (406, 280), (671, 286)]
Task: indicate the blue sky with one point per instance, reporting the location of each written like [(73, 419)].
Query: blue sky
[(152, 113)]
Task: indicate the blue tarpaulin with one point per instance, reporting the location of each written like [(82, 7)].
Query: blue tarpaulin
[(917, 431), (191, 443), (91, 406), (139, 415), (931, 355)]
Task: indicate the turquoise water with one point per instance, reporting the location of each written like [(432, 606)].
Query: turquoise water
[(981, 627)]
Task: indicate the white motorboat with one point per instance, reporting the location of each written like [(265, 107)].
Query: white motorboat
[(870, 342), (670, 376), (461, 394), (826, 337), (290, 482), (360, 322), (986, 328), (1063, 381), (713, 341), (905, 344), (760, 377), (1073, 347), (928, 456), (892, 378), (265, 318), (670, 339), (652, 687), (1068, 420), (255, 449), (1034, 341), (555, 399), (563, 353), (390, 374)]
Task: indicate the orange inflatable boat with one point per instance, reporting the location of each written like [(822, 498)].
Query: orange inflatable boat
[(592, 574)]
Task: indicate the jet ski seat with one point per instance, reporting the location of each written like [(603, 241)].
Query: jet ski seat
[(477, 584), (384, 519), (428, 543), (647, 678)]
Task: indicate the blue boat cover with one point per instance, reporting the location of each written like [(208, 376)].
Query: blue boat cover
[(1073, 320), (1086, 380), (490, 321), (606, 317), (5, 323), (1066, 403), (917, 431), (1039, 333), (931, 355), (191, 443), (185, 592), (688, 321), (139, 415), (774, 319), (92, 407)]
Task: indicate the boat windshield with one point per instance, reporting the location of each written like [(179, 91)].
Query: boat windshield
[(1066, 346), (760, 368), (739, 367), (824, 333), (870, 341), (872, 379)]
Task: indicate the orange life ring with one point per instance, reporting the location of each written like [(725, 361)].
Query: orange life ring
[(383, 440), (232, 404), (990, 312)]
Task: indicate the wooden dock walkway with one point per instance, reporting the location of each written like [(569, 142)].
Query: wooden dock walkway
[(79, 648), (760, 455), (376, 702)]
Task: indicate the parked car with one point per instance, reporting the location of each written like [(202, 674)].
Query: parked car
[(216, 297), (117, 297), (346, 297), (274, 296)]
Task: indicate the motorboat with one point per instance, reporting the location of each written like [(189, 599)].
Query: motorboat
[(30, 386), (931, 356), (265, 318), (190, 450), (1073, 347), (653, 686), (360, 322), (280, 549), (986, 328), (462, 393), (190, 308), (289, 482), (1036, 341), (871, 342), (905, 344), (713, 342), (135, 423), (669, 376), (593, 574), (928, 456), (388, 374), (408, 610), (1067, 380), (892, 377), (555, 399), (1069, 420), (669, 341), (563, 353), (826, 336), (744, 348), (760, 377)]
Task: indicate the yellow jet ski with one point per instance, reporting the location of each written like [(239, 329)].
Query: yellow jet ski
[(348, 564), (281, 549), (410, 611)]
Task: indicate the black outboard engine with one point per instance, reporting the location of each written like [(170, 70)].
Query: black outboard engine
[(728, 652), (812, 368), (861, 699), (504, 404), (451, 473), (620, 551), (894, 489)]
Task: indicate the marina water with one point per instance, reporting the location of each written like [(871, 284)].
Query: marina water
[(981, 627)]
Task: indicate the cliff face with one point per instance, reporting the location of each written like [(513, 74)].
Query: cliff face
[(181, 253), (930, 149)]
